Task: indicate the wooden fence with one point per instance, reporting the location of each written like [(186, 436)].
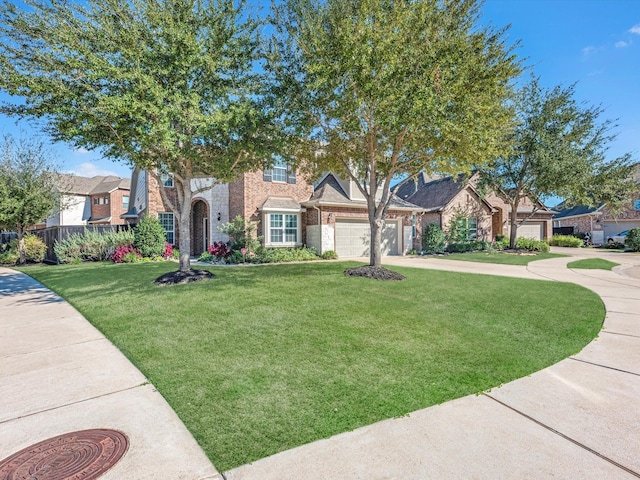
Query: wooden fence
[(59, 233)]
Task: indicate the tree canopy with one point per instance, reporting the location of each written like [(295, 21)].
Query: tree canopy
[(558, 148), (386, 89), (168, 85), (28, 189)]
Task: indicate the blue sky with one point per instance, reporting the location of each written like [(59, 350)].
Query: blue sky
[(595, 43)]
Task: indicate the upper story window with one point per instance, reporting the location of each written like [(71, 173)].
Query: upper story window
[(167, 179), (125, 202), (101, 200), (280, 172)]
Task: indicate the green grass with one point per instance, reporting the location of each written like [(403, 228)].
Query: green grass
[(263, 359), (498, 257), (593, 263)]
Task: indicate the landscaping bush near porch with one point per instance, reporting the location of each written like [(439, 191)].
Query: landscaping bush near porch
[(260, 360)]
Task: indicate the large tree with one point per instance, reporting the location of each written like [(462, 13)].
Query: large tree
[(28, 188), (383, 89), (168, 85), (558, 148)]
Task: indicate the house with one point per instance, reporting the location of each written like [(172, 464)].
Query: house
[(99, 200), (446, 198), (287, 209), (600, 222)]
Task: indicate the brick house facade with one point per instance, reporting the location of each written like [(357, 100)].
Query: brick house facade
[(286, 208), (99, 200)]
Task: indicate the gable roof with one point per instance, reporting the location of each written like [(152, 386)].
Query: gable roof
[(330, 192), (432, 193), (77, 185), (576, 211)]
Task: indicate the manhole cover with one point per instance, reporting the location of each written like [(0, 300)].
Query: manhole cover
[(85, 455)]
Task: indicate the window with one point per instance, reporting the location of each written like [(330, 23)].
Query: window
[(101, 201), (125, 202), (466, 229), (472, 228), (105, 200), (96, 201), (167, 179), (166, 220), (283, 228), (280, 172)]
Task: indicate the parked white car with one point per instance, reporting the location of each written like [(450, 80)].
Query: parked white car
[(618, 238)]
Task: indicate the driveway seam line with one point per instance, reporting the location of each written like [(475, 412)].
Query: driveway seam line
[(12, 355), (566, 437), (50, 409), (620, 334), (604, 366)]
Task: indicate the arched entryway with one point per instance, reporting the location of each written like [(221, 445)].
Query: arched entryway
[(199, 227)]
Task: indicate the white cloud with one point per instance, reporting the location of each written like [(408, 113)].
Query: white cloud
[(81, 151), (622, 44), (88, 169), (590, 50), (635, 29)]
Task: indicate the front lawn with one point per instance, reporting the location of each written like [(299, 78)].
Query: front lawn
[(499, 257), (263, 359), (593, 264)]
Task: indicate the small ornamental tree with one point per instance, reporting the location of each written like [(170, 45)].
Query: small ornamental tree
[(149, 237), (633, 239), (433, 239), (28, 190)]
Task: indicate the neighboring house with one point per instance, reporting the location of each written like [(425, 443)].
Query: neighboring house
[(99, 200), (288, 211), (599, 221), (447, 198)]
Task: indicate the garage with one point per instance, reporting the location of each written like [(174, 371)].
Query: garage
[(531, 230), (353, 238), (614, 228)]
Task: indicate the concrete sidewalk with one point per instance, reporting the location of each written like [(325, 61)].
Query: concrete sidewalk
[(579, 418), (58, 374)]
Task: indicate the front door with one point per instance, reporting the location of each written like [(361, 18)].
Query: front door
[(199, 227)]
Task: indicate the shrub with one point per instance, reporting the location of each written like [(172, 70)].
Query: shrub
[(433, 239), (277, 255), (469, 246), (329, 255), (206, 257), (35, 248), (10, 257), (566, 241), (219, 250), (501, 243), (532, 245), (123, 254), (149, 237), (633, 239), (168, 251), (242, 234), (91, 245)]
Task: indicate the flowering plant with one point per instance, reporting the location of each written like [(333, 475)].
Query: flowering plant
[(123, 253), (168, 251), (219, 250)]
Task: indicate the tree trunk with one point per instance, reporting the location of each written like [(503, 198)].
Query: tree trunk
[(513, 221), (184, 226), (184, 243), (375, 248), (22, 257)]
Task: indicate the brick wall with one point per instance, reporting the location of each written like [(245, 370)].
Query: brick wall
[(247, 195)]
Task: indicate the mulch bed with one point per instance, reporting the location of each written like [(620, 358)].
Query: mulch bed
[(377, 273), (176, 278)]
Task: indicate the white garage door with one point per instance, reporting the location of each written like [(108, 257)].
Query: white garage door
[(353, 238), (530, 230), (613, 228)]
